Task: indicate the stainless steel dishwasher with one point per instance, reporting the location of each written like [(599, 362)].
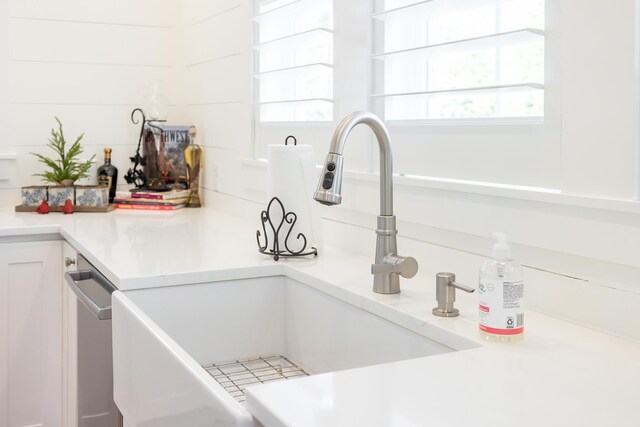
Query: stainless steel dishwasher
[(95, 406)]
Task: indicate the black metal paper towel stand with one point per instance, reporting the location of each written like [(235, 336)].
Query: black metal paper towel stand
[(281, 247)]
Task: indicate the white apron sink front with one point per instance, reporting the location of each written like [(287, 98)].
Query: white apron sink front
[(163, 336)]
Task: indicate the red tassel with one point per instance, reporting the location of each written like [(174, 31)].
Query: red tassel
[(67, 208), (43, 208)]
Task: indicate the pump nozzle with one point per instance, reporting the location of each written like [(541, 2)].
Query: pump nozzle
[(501, 249)]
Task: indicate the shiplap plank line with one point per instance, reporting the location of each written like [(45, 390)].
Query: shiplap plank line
[(215, 15), (79, 43), (220, 81), (211, 41), (222, 126), (76, 104), (158, 13), (109, 64), (204, 104), (219, 58), (103, 125), (194, 11), (70, 84), (218, 147), (74, 21)]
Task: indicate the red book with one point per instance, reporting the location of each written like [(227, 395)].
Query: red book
[(167, 195), (149, 207)]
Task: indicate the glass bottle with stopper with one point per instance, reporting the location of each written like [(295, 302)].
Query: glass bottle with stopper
[(108, 175), (193, 159), (156, 105)]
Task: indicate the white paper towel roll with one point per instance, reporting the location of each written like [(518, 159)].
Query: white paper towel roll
[(292, 178)]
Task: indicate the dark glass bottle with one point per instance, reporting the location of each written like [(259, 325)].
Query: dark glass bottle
[(108, 175)]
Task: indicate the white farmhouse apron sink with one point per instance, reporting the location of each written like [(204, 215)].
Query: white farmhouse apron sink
[(162, 338)]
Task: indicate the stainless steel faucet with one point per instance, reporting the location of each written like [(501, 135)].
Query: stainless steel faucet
[(388, 264)]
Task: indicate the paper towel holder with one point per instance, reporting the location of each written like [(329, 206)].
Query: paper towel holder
[(276, 249), (286, 140)]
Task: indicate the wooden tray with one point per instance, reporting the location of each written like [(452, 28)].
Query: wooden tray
[(79, 209)]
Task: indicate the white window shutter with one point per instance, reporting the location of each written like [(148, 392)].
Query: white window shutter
[(294, 61), (458, 59)]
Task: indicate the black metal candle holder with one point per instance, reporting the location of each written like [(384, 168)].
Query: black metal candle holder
[(290, 218), (135, 175)]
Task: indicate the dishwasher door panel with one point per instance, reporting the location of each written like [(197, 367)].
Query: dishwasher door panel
[(92, 371), (95, 372)]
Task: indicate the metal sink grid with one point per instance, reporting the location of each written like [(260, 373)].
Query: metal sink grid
[(236, 376)]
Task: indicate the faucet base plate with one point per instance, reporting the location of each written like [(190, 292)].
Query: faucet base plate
[(445, 313)]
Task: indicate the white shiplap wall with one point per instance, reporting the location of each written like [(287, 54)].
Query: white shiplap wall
[(216, 69), (90, 64)]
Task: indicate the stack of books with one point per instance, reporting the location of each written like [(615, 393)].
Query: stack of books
[(151, 200)]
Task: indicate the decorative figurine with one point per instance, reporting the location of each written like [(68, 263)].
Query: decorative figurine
[(43, 208), (67, 208)]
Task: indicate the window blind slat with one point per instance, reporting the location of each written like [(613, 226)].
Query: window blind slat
[(295, 69), (271, 12), (419, 7), (292, 101), (523, 36), (465, 89), (294, 37)]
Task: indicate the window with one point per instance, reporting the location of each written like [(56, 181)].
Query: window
[(294, 61), (459, 59), (447, 76)]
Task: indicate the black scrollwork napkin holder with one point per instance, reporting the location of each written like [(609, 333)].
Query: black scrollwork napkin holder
[(281, 248)]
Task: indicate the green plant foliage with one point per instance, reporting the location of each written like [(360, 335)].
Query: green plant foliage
[(66, 165)]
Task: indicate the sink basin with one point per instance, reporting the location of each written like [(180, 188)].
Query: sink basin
[(162, 338)]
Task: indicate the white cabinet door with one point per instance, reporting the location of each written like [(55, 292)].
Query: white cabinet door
[(30, 334)]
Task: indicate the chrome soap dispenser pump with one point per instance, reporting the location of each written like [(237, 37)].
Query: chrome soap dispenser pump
[(388, 265)]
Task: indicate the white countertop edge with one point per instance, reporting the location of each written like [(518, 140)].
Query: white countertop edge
[(178, 279), (33, 230)]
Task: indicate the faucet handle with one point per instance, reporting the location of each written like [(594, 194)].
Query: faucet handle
[(407, 267), (446, 294)]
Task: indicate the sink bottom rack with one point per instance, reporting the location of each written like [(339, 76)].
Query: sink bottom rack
[(236, 376)]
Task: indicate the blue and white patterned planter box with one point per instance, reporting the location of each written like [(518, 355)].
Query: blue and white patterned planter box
[(34, 195), (93, 196), (59, 195)]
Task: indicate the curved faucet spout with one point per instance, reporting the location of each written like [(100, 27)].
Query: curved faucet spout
[(388, 265), (386, 159)]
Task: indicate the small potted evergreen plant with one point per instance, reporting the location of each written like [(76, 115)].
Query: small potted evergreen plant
[(64, 168)]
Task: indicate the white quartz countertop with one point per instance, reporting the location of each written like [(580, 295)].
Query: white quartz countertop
[(148, 249), (561, 374)]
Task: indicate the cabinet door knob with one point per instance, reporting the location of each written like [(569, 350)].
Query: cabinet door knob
[(69, 261)]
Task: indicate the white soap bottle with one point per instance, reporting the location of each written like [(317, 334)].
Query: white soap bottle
[(501, 294)]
